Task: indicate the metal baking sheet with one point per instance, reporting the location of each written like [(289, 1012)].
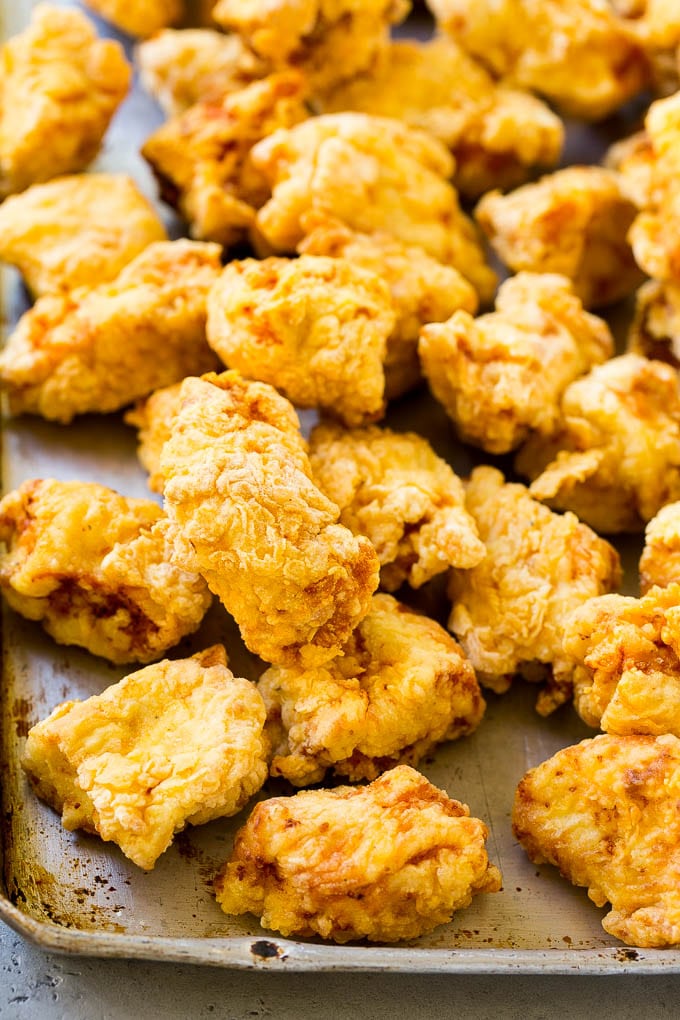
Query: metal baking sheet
[(71, 892)]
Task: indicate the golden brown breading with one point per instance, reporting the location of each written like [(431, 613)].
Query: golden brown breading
[(655, 330), (314, 327), (154, 417), (373, 174), (496, 134), (76, 231), (509, 612), (176, 743), (329, 40), (655, 22), (202, 157), (98, 350), (500, 377), (627, 665), (393, 488), (95, 569), (192, 65), (633, 159), (383, 862), (423, 290), (400, 686), (615, 456), (574, 222), (660, 560), (238, 483), (59, 87), (138, 17), (605, 812), (576, 53)]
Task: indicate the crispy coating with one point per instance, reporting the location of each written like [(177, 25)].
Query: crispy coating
[(181, 68), (400, 686), (238, 483), (606, 813), (138, 17), (576, 53), (76, 231), (383, 862), (500, 377), (314, 327), (655, 22), (153, 417), (95, 569), (574, 222), (626, 653), (422, 289), (176, 743), (509, 612), (393, 488), (329, 40), (615, 457), (59, 87), (202, 157), (373, 174), (655, 330), (633, 159), (660, 560), (496, 134), (100, 349)]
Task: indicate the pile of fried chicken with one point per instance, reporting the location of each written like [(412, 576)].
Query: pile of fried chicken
[(346, 161)]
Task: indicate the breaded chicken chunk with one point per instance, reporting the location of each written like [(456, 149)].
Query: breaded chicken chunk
[(626, 653), (573, 222), (500, 377), (496, 134), (177, 743), (238, 484), (655, 330), (400, 686), (382, 862), (373, 174), (633, 159), (59, 87), (314, 327), (138, 17), (394, 489), (329, 40), (576, 53), (100, 349), (660, 560), (202, 157), (615, 456), (509, 612), (95, 569), (153, 417), (607, 814), (181, 68), (76, 231), (422, 289)]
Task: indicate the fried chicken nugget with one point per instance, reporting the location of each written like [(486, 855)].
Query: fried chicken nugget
[(606, 812), (615, 457), (500, 377), (153, 417), (314, 327), (655, 330), (76, 231), (59, 87), (393, 488), (138, 17), (329, 40), (238, 484), (400, 686), (100, 349), (95, 569), (573, 222), (576, 53), (496, 134), (202, 157), (181, 68), (660, 560), (175, 744), (627, 657), (509, 612), (383, 862), (373, 174)]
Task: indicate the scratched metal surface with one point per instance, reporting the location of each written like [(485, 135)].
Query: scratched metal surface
[(73, 893)]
